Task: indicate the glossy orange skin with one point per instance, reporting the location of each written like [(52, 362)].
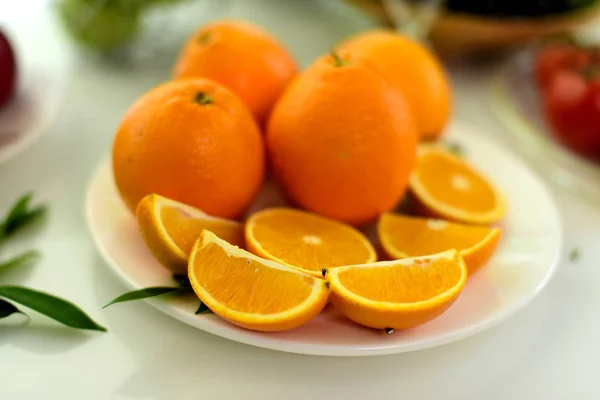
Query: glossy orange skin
[(242, 57), (342, 142), (411, 68), (209, 156)]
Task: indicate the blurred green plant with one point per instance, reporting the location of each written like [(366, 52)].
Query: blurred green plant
[(105, 26), (20, 216)]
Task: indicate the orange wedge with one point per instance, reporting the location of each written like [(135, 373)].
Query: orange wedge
[(170, 229), (398, 294), (306, 241), (252, 292), (402, 236), (445, 186)]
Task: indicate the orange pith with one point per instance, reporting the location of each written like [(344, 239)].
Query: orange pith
[(170, 229), (402, 236), (446, 186), (398, 294), (252, 292), (306, 241)]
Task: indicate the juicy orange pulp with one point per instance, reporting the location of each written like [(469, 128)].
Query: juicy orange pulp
[(446, 186), (307, 241), (398, 294), (170, 229), (403, 236), (457, 186), (185, 229), (252, 292), (410, 284)]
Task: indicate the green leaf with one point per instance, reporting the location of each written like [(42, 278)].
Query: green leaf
[(19, 207), (575, 255), (15, 212), (53, 307), (455, 148), (182, 280), (19, 216), (7, 309), (24, 258), (203, 309), (32, 215), (145, 294)]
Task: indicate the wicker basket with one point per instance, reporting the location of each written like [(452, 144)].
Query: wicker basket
[(461, 34)]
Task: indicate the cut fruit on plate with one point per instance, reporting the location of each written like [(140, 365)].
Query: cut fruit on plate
[(170, 229), (402, 236), (252, 292), (445, 186), (306, 241), (398, 294)]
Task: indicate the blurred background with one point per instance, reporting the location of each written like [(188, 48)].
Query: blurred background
[(130, 28), (494, 51)]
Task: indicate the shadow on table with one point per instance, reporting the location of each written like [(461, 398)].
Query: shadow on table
[(177, 361), (41, 336)]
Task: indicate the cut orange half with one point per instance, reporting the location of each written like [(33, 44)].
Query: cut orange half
[(445, 186), (402, 236), (306, 241), (398, 294), (252, 292), (170, 229)]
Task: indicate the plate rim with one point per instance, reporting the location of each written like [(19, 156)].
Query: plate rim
[(266, 342)]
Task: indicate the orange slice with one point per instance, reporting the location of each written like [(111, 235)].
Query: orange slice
[(402, 236), (306, 241), (252, 292), (398, 294), (170, 229), (445, 186)]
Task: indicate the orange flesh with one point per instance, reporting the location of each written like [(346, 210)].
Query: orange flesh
[(454, 184), (184, 230), (246, 285), (310, 242), (403, 283), (417, 237)]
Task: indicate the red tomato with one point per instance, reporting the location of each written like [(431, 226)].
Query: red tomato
[(572, 107), (555, 58), (8, 70)]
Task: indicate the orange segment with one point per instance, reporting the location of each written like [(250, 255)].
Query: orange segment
[(252, 292), (306, 241), (398, 294), (170, 229), (402, 236), (446, 186)]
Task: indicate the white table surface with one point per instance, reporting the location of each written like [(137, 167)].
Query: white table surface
[(549, 350)]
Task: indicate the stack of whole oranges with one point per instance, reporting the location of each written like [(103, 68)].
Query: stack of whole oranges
[(341, 140), (340, 136)]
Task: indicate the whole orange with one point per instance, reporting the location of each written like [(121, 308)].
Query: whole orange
[(192, 141), (413, 69), (341, 141), (242, 57)]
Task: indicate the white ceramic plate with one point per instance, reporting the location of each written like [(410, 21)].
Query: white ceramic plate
[(525, 261), (42, 66)]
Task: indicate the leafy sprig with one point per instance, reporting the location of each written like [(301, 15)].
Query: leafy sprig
[(20, 215), (182, 286)]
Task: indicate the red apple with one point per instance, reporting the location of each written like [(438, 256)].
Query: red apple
[(8, 70)]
